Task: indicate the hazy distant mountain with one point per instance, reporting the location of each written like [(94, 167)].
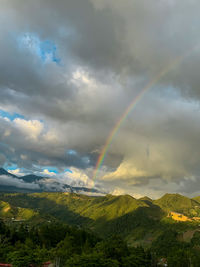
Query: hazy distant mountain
[(30, 178), (34, 183)]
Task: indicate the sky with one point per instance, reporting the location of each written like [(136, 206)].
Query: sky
[(68, 72)]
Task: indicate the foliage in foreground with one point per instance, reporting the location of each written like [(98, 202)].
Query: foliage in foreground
[(69, 246), (23, 246)]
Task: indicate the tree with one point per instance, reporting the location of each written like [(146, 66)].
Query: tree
[(178, 258), (20, 258), (113, 247), (91, 260)]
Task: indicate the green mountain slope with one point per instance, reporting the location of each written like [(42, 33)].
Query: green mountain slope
[(67, 206), (179, 203), (134, 219), (89, 212), (197, 199), (16, 213)]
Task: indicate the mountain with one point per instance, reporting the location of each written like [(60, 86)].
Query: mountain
[(33, 183), (4, 172), (109, 214), (137, 220), (35, 198), (197, 199), (105, 214), (110, 220), (179, 203), (30, 178), (15, 213), (146, 199)]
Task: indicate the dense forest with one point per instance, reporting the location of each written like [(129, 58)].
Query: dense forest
[(76, 230), (68, 246)]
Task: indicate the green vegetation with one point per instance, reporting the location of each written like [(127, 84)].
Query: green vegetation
[(67, 245), (197, 199), (104, 215), (179, 203), (9, 211), (35, 228)]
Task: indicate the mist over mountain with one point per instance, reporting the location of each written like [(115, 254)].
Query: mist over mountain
[(33, 183)]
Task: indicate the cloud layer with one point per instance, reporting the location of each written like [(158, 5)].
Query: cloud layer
[(69, 69)]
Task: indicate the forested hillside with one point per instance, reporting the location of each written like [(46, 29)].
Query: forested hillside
[(114, 230)]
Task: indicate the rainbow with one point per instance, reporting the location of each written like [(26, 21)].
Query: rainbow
[(133, 103)]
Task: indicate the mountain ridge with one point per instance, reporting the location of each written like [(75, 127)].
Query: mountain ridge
[(31, 183), (4, 172), (109, 214)]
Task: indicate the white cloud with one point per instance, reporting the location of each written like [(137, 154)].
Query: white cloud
[(16, 172), (7, 133), (125, 171), (30, 128), (23, 157), (77, 177), (108, 56), (48, 173), (10, 181), (117, 192)]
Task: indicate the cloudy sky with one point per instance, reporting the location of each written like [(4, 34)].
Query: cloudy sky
[(68, 71)]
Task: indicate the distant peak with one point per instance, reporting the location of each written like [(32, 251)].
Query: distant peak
[(4, 172), (120, 196), (145, 198)]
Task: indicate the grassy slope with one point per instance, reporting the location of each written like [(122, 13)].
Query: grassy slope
[(9, 211), (197, 199), (179, 203)]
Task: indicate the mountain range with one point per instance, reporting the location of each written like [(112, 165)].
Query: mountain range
[(32, 183), (35, 199), (139, 221)]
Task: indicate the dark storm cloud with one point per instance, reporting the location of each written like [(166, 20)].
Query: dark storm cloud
[(117, 37)]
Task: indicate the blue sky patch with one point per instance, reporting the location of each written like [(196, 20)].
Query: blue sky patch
[(10, 167), (46, 50), (71, 152), (68, 170), (10, 116)]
